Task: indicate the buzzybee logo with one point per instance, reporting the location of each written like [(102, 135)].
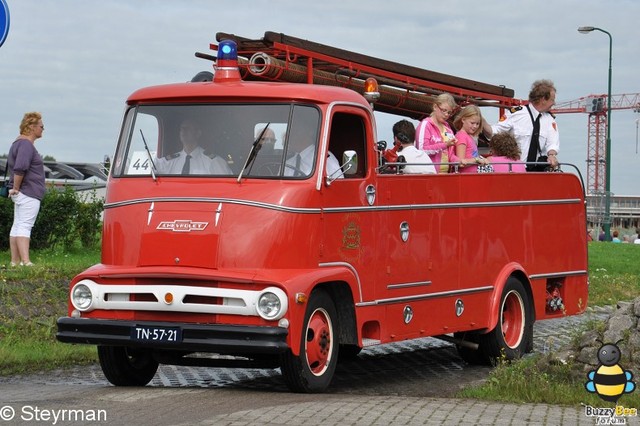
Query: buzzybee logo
[(609, 381)]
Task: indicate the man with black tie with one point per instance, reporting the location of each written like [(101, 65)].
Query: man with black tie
[(302, 149), (533, 126), (193, 159)]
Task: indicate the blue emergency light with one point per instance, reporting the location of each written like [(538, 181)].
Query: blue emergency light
[(226, 68), (227, 50)]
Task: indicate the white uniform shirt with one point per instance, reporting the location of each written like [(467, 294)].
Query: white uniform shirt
[(519, 124), (303, 163), (418, 162), (200, 164)]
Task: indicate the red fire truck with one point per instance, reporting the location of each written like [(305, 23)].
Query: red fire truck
[(254, 259)]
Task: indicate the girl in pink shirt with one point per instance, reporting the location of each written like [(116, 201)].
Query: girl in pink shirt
[(468, 123), (434, 135)]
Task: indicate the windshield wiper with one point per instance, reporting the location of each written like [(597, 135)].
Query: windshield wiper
[(153, 165), (254, 151)]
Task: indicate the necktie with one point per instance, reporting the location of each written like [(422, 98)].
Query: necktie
[(534, 146), (187, 165)]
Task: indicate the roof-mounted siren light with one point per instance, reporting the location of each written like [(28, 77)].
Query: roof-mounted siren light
[(226, 68), (371, 93)]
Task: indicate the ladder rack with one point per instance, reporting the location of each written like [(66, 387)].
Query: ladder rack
[(405, 90)]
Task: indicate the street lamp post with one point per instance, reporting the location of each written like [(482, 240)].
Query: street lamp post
[(607, 181)]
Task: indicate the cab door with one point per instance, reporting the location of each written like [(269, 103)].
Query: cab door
[(348, 213)]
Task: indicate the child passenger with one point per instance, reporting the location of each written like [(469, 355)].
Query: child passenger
[(417, 161), (434, 135), (468, 122), (505, 154)]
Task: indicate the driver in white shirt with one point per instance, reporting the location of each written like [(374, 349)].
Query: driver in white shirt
[(301, 162), (193, 159)]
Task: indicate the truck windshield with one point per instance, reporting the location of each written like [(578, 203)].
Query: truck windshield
[(216, 140)]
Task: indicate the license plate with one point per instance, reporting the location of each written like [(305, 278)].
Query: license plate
[(156, 334)]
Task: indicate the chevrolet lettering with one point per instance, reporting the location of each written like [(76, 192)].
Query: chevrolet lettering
[(182, 226)]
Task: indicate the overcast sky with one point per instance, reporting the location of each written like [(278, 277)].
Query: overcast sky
[(76, 61)]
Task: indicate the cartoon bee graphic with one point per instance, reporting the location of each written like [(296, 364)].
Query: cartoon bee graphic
[(609, 380)]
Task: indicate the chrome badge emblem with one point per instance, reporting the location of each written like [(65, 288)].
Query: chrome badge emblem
[(182, 226)]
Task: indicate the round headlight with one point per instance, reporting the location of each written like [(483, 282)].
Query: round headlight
[(81, 297), (269, 305)]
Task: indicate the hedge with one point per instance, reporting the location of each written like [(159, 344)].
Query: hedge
[(64, 219)]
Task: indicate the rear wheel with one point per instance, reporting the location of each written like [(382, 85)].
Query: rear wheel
[(513, 333), (127, 366), (313, 369)]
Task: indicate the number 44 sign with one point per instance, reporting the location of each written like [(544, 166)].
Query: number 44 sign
[(140, 164)]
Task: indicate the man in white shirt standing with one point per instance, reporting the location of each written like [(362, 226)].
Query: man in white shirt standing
[(521, 123), (418, 161), (193, 159)]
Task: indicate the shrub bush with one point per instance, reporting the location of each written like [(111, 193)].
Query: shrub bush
[(89, 220), (64, 219), (54, 225)]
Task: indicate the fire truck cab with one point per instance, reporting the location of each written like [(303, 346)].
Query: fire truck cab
[(282, 240)]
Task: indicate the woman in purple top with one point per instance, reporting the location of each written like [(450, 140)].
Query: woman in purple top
[(505, 154), (26, 170)]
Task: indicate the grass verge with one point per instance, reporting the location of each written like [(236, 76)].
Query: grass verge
[(526, 381), (32, 355), (31, 300), (614, 275)]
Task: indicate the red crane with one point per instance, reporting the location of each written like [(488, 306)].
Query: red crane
[(596, 107)]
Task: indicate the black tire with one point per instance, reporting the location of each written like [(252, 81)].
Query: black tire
[(313, 369), (127, 366), (513, 333)]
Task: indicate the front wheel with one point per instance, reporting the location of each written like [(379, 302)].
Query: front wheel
[(513, 333), (127, 366), (313, 369)]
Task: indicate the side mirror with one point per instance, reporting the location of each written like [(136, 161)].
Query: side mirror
[(349, 166), (349, 163)]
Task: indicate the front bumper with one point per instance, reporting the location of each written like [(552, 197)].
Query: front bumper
[(222, 339)]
